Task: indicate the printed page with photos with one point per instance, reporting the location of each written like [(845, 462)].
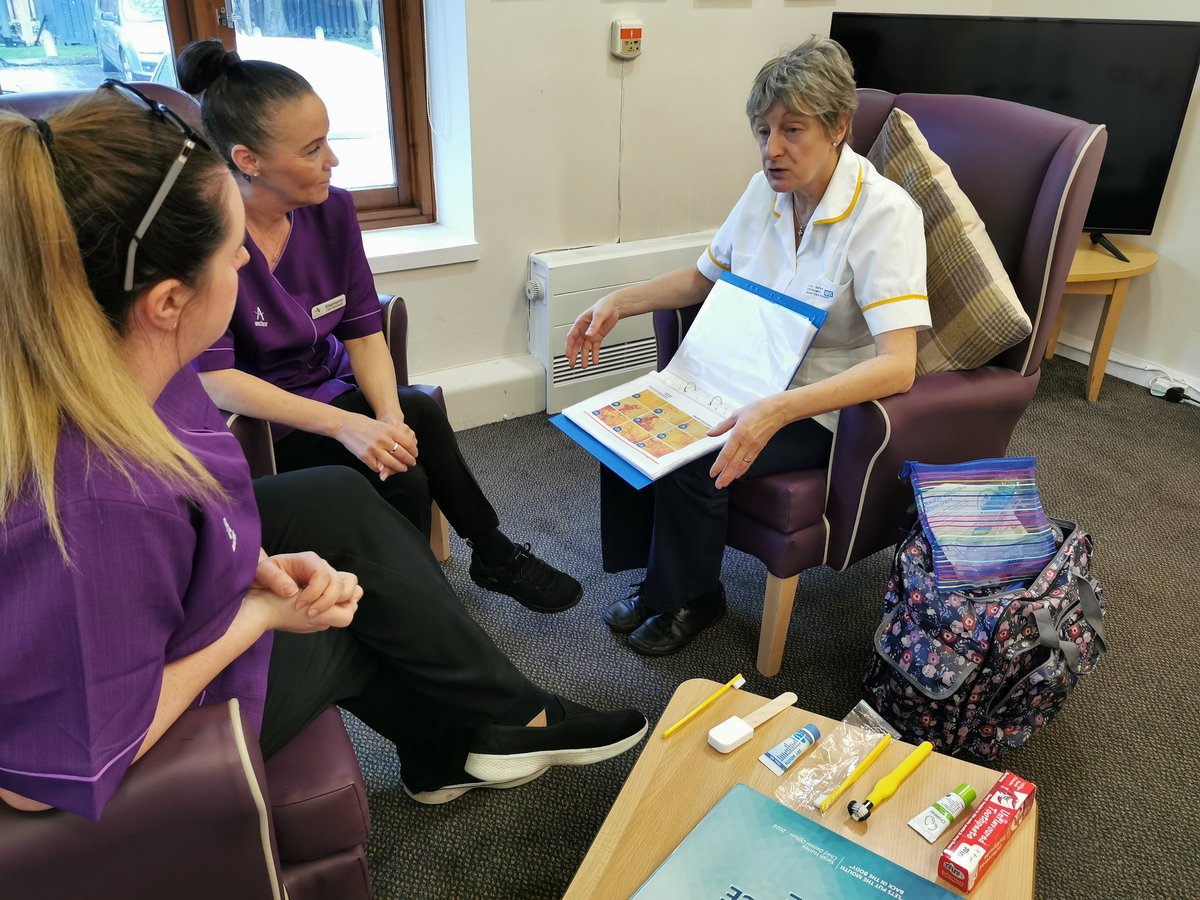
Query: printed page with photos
[(746, 343)]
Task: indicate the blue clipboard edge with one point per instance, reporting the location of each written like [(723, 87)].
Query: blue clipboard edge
[(814, 315), (633, 476)]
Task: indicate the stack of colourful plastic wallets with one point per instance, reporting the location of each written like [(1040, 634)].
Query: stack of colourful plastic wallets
[(984, 521)]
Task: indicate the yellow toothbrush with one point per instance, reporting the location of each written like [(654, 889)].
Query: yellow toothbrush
[(735, 682), (827, 802), (886, 786)]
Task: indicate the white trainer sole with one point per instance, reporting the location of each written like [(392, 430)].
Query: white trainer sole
[(503, 767), (454, 791)]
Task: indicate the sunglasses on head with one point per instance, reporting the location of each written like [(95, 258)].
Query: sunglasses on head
[(191, 140)]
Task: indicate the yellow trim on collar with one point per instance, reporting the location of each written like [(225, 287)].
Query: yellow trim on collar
[(774, 211), (895, 300), (716, 262), (850, 208)]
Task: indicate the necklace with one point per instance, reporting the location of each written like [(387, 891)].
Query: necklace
[(271, 252), (800, 226)]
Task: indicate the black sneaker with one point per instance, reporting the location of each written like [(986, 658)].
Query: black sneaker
[(454, 791), (528, 580), (581, 737)]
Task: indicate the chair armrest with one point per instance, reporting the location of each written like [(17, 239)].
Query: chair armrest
[(670, 325), (434, 391), (258, 445), (189, 821), (395, 332), (948, 417)]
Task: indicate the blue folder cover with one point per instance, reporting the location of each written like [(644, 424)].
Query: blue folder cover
[(750, 846), (634, 476)]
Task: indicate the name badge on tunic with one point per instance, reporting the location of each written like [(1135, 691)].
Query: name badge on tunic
[(328, 306), (820, 290)]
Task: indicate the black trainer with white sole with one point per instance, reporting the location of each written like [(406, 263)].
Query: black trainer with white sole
[(580, 737), (454, 791)]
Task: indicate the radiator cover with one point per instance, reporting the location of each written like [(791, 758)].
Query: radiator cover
[(563, 283)]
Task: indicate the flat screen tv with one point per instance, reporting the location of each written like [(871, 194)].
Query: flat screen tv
[(1136, 78)]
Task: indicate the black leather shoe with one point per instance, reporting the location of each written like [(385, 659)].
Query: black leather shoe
[(623, 616), (667, 633)]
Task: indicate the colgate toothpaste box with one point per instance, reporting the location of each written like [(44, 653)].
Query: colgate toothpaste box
[(984, 835)]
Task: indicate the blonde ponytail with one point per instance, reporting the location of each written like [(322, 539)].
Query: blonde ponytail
[(62, 361)]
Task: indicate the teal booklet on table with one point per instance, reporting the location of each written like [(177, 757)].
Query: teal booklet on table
[(746, 343), (749, 846)]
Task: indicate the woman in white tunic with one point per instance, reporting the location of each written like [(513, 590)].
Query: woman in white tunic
[(818, 223)]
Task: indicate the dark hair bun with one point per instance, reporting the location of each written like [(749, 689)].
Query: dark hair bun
[(203, 62)]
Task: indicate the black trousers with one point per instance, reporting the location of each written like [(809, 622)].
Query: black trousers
[(440, 474), (675, 528), (413, 665)]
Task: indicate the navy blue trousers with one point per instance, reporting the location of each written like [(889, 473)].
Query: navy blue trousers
[(675, 528)]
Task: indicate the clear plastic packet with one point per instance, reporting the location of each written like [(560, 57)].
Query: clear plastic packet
[(836, 755)]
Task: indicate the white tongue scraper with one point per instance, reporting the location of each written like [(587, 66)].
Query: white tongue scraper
[(736, 730)]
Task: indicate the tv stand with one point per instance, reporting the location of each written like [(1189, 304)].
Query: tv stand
[(1099, 238)]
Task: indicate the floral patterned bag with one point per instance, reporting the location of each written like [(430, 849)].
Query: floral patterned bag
[(981, 671)]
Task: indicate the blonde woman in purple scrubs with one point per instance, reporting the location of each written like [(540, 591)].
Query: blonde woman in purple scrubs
[(143, 573)]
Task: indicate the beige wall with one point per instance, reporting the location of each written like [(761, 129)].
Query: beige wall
[(572, 147)]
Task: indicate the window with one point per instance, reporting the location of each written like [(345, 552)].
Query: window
[(365, 58)]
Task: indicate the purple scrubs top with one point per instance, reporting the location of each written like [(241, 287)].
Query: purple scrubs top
[(288, 325), (153, 577)]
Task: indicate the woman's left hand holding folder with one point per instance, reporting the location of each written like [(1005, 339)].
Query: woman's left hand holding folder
[(752, 426)]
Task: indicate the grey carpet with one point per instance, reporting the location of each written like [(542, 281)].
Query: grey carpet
[(1117, 771)]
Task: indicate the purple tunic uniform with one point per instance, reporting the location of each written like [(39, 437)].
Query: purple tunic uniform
[(153, 577), (289, 324)]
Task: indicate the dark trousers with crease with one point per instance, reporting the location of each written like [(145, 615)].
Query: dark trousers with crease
[(675, 528), (440, 474), (413, 665)]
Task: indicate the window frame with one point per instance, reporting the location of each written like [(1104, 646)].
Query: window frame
[(411, 200)]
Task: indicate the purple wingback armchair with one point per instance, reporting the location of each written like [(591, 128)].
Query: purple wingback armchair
[(201, 815), (1030, 174)]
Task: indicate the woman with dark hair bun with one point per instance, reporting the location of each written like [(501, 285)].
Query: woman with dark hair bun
[(143, 573), (305, 349)]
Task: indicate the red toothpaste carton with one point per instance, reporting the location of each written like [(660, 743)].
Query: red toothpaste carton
[(984, 835)]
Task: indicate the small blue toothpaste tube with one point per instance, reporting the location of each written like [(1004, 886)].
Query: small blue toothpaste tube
[(794, 746)]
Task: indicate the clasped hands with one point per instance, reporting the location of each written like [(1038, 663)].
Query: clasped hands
[(385, 444), (301, 592)]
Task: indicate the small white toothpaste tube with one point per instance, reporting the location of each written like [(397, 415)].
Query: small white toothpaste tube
[(931, 822), (790, 749)]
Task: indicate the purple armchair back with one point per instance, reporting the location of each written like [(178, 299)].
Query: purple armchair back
[(201, 815), (1030, 174)]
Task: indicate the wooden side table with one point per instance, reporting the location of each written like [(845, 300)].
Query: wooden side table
[(1096, 272), (677, 780)]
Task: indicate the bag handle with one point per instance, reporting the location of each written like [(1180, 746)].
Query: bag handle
[(1089, 605)]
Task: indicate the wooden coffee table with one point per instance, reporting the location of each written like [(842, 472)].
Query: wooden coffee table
[(679, 779)]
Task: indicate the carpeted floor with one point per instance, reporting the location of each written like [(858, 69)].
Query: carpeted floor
[(1116, 771)]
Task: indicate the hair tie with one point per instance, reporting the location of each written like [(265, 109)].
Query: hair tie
[(229, 60), (44, 132)]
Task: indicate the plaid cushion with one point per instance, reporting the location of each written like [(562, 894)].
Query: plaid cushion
[(975, 311)]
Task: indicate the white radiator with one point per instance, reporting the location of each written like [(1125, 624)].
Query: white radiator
[(563, 283)]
